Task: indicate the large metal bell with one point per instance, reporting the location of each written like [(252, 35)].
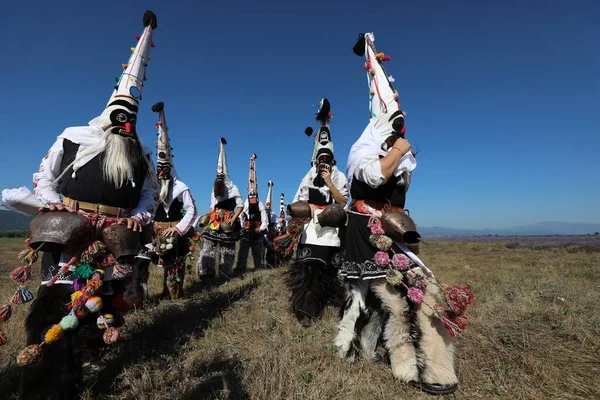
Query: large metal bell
[(120, 241), (299, 209), (333, 215), (55, 230), (400, 227)]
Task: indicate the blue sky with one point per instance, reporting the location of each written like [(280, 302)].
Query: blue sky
[(502, 98)]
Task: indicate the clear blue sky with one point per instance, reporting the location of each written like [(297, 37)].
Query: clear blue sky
[(502, 97)]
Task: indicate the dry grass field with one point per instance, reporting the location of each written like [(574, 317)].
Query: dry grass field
[(534, 333)]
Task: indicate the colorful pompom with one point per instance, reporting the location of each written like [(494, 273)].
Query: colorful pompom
[(382, 258), (415, 295), (80, 313), (84, 271), (54, 333), (377, 229), (5, 312), (98, 274), (394, 277), (384, 243), (105, 321), (76, 295), (28, 255), (78, 284), (3, 338), (111, 335), (401, 261), (419, 281), (94, 304), (109, 261), (21, 274), (69, 322), (92, 287), (22, 296), (458, 298), (30, 355)]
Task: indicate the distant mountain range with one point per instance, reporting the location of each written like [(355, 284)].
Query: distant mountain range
[(12, 221), (541, 228)]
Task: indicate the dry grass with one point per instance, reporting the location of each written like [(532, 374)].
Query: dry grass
[(534, 334)]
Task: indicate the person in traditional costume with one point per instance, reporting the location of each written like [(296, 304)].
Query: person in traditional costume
[(392, 294), (272, 258), (96, 189), (254, 220), (173, 220), (312, 278), (221, 225)]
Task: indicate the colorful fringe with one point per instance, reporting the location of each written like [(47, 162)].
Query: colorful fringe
[(284, 244)]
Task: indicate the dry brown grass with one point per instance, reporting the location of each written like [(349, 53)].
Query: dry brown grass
[(534, 334)]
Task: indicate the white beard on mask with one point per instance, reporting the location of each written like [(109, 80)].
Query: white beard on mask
[(118, 166), (165, 186)]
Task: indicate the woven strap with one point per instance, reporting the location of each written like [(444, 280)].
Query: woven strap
[(96, 208)]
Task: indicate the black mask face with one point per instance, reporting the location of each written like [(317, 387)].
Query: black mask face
[(163, 170), (123, 117)]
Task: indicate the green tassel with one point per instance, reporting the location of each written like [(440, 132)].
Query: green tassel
[(84, 271)]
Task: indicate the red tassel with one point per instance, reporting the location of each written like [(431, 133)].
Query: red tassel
[(458, 298), (153, 45), (138, 37), (5, 312), (3, 339), (21, 274)]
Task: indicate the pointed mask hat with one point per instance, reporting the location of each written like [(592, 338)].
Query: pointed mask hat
[(122, 107), (222, 170), (323, 145), (164, 155), (269, 201)]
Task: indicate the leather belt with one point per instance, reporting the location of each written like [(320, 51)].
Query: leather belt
[(168, 224), (96, 208), (378, 205)]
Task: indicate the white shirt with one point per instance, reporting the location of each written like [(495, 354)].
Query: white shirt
[(189, 217)]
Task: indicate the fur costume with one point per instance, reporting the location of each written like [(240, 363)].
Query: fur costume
[(102, 172), (312, 277), (392, 297)]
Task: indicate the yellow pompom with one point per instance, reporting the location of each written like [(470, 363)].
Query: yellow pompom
[(76, 295), (54, 334)]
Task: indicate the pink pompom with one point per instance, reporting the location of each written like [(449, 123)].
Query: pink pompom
[(401, 262), (382, 258), (110, 336), (78, 284), (415, 295), (376, 229)]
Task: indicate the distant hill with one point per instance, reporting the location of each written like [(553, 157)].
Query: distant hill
[(541, 228), (12, 221)]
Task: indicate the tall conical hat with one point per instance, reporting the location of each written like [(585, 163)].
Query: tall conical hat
[(252, 181), (122, 107), (164, 156), (269, 201), (384, 105), (222, 159), (323, 144)]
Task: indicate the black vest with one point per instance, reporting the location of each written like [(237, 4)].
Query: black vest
[(228, 204), (89, 184), (317, 198), (175, 213), (391, 191)]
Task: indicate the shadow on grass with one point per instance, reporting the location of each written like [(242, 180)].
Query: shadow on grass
[(225, 382), (171, 328)]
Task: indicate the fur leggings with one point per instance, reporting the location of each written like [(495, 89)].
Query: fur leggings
[(311, 285), (418, 345), (214, 253)]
